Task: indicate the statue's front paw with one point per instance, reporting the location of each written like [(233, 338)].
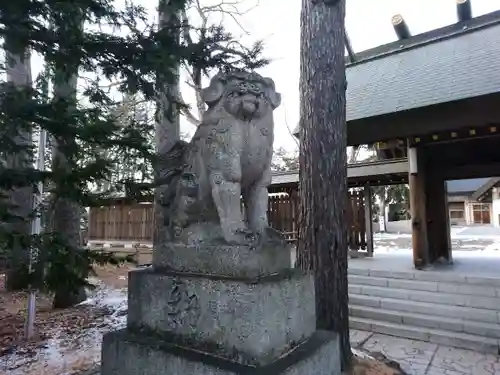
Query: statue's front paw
[(241, 236), (248, 234)]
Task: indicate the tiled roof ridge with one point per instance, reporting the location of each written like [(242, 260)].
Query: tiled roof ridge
[(429, 37)]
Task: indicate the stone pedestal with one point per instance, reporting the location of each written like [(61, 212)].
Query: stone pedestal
[(231, 319)]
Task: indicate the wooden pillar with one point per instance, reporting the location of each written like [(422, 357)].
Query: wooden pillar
[(90, 224), (438, 231), (368, 220), (447, 249), (294, 198), (418, 207)]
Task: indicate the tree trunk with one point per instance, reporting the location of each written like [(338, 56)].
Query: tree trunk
[(381, 214), (353, 154), (167, 131), (18, 69), (66, 222), (322, 243), (66, 213)]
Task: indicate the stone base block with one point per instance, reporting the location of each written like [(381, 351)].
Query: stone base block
[(124, 353), (228, 260), (261, 318)]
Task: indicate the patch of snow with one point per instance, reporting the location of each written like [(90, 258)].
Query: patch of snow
[(487, 252), (493, 248), (63, 353), (361, 354), (114, 300), (392, 250), (388, 236), (455, 233), (476, 237), (457, 230)]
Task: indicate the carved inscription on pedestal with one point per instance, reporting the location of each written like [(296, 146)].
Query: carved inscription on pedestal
[(183, 308)]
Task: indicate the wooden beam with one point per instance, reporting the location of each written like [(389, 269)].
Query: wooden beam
[(450, 116), (471, 171), (378, 168), (464, 10), (357, 172), (368, 219), (400, 27)]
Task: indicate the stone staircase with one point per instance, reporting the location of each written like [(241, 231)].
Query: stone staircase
[(438, 307)]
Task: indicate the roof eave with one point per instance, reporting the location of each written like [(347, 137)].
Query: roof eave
[(432, 36)]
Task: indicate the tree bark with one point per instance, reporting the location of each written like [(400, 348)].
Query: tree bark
[(167, 131), (65, 214), (18, 69), (322, 245)]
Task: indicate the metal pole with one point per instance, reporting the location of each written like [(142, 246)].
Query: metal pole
[(35, 229)]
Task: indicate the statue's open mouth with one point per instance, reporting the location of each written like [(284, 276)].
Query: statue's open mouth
[(249, 107), (249, 102)]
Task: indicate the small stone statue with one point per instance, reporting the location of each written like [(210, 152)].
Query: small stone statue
[(229, 158)]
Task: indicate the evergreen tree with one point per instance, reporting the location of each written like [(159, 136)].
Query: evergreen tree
[(19, 198), (79, 130), (100, 44), (285, 161)]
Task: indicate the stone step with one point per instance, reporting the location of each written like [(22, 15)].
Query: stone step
[(462, 300), (430, 275), (428, 286), (425, 320), (437, 336), (436, 309)]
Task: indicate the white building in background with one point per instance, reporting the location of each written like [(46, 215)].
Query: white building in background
[(474, 201), (495, 206)]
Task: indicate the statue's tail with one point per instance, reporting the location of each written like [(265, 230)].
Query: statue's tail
[(172, 163), (171, 168)]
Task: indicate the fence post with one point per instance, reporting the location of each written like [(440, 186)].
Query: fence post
[(368, 219), (137, 254)]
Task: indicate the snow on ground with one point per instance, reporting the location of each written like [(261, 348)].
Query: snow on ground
[(63, 354), (479, 240), (464, 249)]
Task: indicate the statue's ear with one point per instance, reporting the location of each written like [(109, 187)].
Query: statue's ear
[(213, 93), (274, 97)]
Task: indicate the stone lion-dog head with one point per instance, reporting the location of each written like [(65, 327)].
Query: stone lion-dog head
[(244, 95)]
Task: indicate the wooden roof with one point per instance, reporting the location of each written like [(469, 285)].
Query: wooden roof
[(456, 62)]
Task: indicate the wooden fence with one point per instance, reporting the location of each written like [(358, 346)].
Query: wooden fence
[(134, 223), (121, 222), (283, 214)]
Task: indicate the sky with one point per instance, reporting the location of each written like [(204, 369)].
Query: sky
[(277, 23), (368, 24)]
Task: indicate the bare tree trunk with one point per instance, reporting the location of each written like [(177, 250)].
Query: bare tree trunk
[(353, 154), (322, 243), (66, 213), (381, 195), (18, 69), (167, 118), (381, 213)]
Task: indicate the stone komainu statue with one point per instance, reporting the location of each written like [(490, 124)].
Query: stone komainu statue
[(228, 158)]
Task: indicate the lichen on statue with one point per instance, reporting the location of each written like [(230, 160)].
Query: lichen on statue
[(228, 158)]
